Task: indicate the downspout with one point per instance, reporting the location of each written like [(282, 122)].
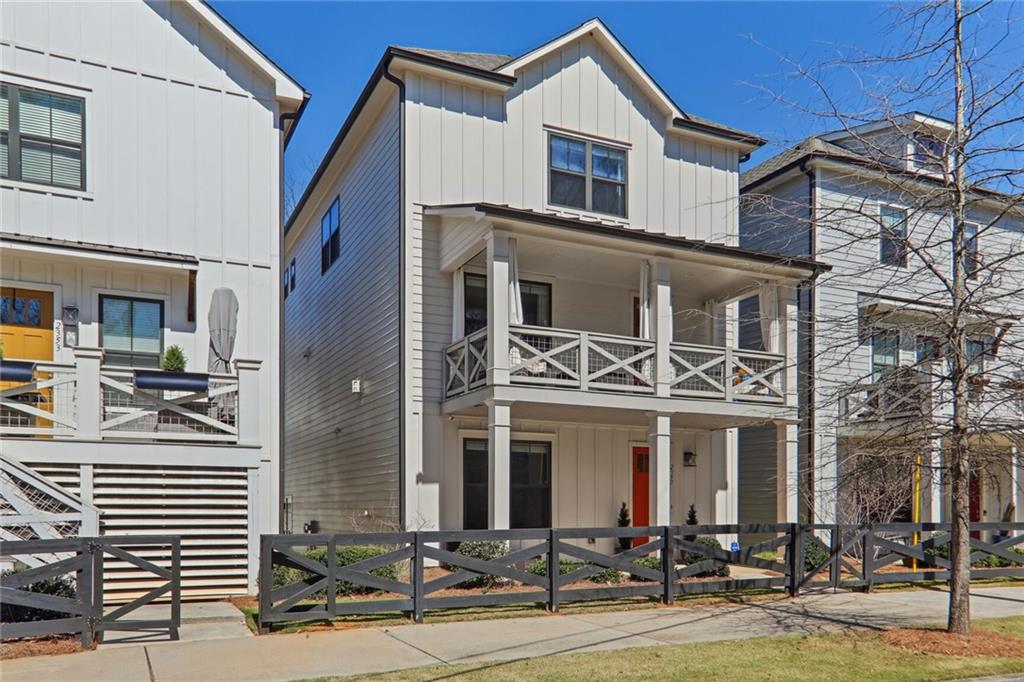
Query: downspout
[(810, 394), (402, 302)]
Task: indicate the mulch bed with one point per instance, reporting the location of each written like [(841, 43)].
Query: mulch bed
[(40, 646), (949, 644)]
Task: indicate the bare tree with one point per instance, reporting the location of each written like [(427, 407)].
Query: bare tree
[(923, 217)]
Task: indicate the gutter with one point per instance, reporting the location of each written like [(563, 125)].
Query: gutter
[(294, 118), (812, 233), (402, 298), (709, 129)]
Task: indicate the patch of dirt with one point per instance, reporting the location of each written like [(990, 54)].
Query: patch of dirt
[(41, 646), (949, 644), (243, 602)]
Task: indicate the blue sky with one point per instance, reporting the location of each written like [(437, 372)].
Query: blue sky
[(710, 57)]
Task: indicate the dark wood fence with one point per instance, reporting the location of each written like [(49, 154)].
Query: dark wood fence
[(414, 572), (80, 561)]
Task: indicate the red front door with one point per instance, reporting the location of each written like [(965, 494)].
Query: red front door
[(974, 493), (641, 490)]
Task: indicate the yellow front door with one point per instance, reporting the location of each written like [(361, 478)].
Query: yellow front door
[(26, 327)]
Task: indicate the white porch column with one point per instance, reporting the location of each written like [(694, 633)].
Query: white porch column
[(1017, 484), (789, 330), (248, 418), (499, 431), (497, 308), (725, 467), (787, 472), (931, 482), (659, 443), (89, 397), (661, 319)]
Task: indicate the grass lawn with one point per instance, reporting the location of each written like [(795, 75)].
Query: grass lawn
[(855, 657)]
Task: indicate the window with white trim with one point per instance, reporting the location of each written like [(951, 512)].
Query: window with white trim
[(892, 240), (586, 175), (42, 137), (330, 236), (131, 331)]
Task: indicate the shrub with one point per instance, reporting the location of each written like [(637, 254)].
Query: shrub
[(57, 586), (484, 550), (345, 555), (651, 562), (695, 557), (815, 552), (988, 561), (691, 520), (623, 521), (173, 359), (605, 575)]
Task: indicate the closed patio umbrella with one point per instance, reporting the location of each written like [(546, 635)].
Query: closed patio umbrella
[(223, 329)]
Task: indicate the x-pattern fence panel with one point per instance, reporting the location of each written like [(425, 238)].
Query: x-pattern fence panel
[(42, 406), (87, 613)]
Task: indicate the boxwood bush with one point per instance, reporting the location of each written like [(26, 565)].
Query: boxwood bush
[(815, 552), (988, 561), (484, 550), (695, 557), (57, 586), (345, 555), (605, 575)]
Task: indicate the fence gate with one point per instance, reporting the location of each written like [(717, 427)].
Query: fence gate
[(79, 603)]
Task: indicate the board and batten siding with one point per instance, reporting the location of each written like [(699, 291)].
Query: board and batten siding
[(342, 448), (468, 144)]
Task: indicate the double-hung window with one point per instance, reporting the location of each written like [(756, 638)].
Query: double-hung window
[(970, 254), (893, 237), (976, 351), (885, 353), (529, 484), (42, 137), (587, 175), (330, 236), (131, 331)]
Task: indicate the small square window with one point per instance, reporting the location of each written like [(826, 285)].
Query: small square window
[(587, 175)]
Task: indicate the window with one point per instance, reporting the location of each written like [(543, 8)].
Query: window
[(970, 255), (893, 237), (587, 175), (41, 137), (330, 236), (975, 357), (929, 152), (529, 483), (885, 353), (536, 302), (288, 279), (131, 331), (929, 349)]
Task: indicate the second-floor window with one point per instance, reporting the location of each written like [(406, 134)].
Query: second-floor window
[(893, 237), (536, 303), (330, 236), (587, 175), (976, 350), (885, 353), (970, 254), (929, 152), (131, 331), (41, 137)]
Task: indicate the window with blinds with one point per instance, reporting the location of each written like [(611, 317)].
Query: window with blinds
[(41, 137), (131, 331)]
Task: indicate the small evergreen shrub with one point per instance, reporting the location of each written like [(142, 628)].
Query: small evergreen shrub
[(695, 557), (623, 521), (815, 552), (989, 561), (691, 520), (651, 562), (605, 575), (484, 550), (57, 586), (348, 554), (173, 359)]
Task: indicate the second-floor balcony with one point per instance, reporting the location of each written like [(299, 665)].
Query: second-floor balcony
[(87, 400), (589, 361)]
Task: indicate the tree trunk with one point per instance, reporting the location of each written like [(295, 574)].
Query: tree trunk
[(960, 547)]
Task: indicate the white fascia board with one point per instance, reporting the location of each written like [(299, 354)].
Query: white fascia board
[(101, 259), (400, 65), (285, 87)]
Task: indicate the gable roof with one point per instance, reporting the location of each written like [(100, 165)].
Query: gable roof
[(478, 60)]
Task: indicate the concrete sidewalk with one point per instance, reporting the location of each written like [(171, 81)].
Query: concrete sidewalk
[(369, 650)]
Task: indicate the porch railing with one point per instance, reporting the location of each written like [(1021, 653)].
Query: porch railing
[(902, 395), (590, 361), (132, 412), (42, 404)]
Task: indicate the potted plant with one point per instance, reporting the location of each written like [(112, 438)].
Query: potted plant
[(623, 521), (691, 520), (173, 359)]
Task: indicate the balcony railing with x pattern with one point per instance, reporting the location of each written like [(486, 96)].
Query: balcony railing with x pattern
[(590, 361)]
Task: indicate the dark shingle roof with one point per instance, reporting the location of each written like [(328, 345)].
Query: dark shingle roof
[(809, 146), (478, 60)]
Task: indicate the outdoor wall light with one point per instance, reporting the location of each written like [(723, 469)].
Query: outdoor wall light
[(689, 459)]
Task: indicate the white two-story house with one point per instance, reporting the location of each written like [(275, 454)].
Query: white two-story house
[(515, 302), (140, 182), (864, 199)]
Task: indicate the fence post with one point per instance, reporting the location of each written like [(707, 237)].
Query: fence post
[(417, 578), (95, 547), (554, 569), (84, 590), (175, 586), (835, 545), (668, 566), (265, 580), (869, 557), (332, 576), (796, 559)]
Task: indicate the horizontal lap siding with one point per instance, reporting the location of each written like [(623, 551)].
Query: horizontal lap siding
[(341, 461)]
